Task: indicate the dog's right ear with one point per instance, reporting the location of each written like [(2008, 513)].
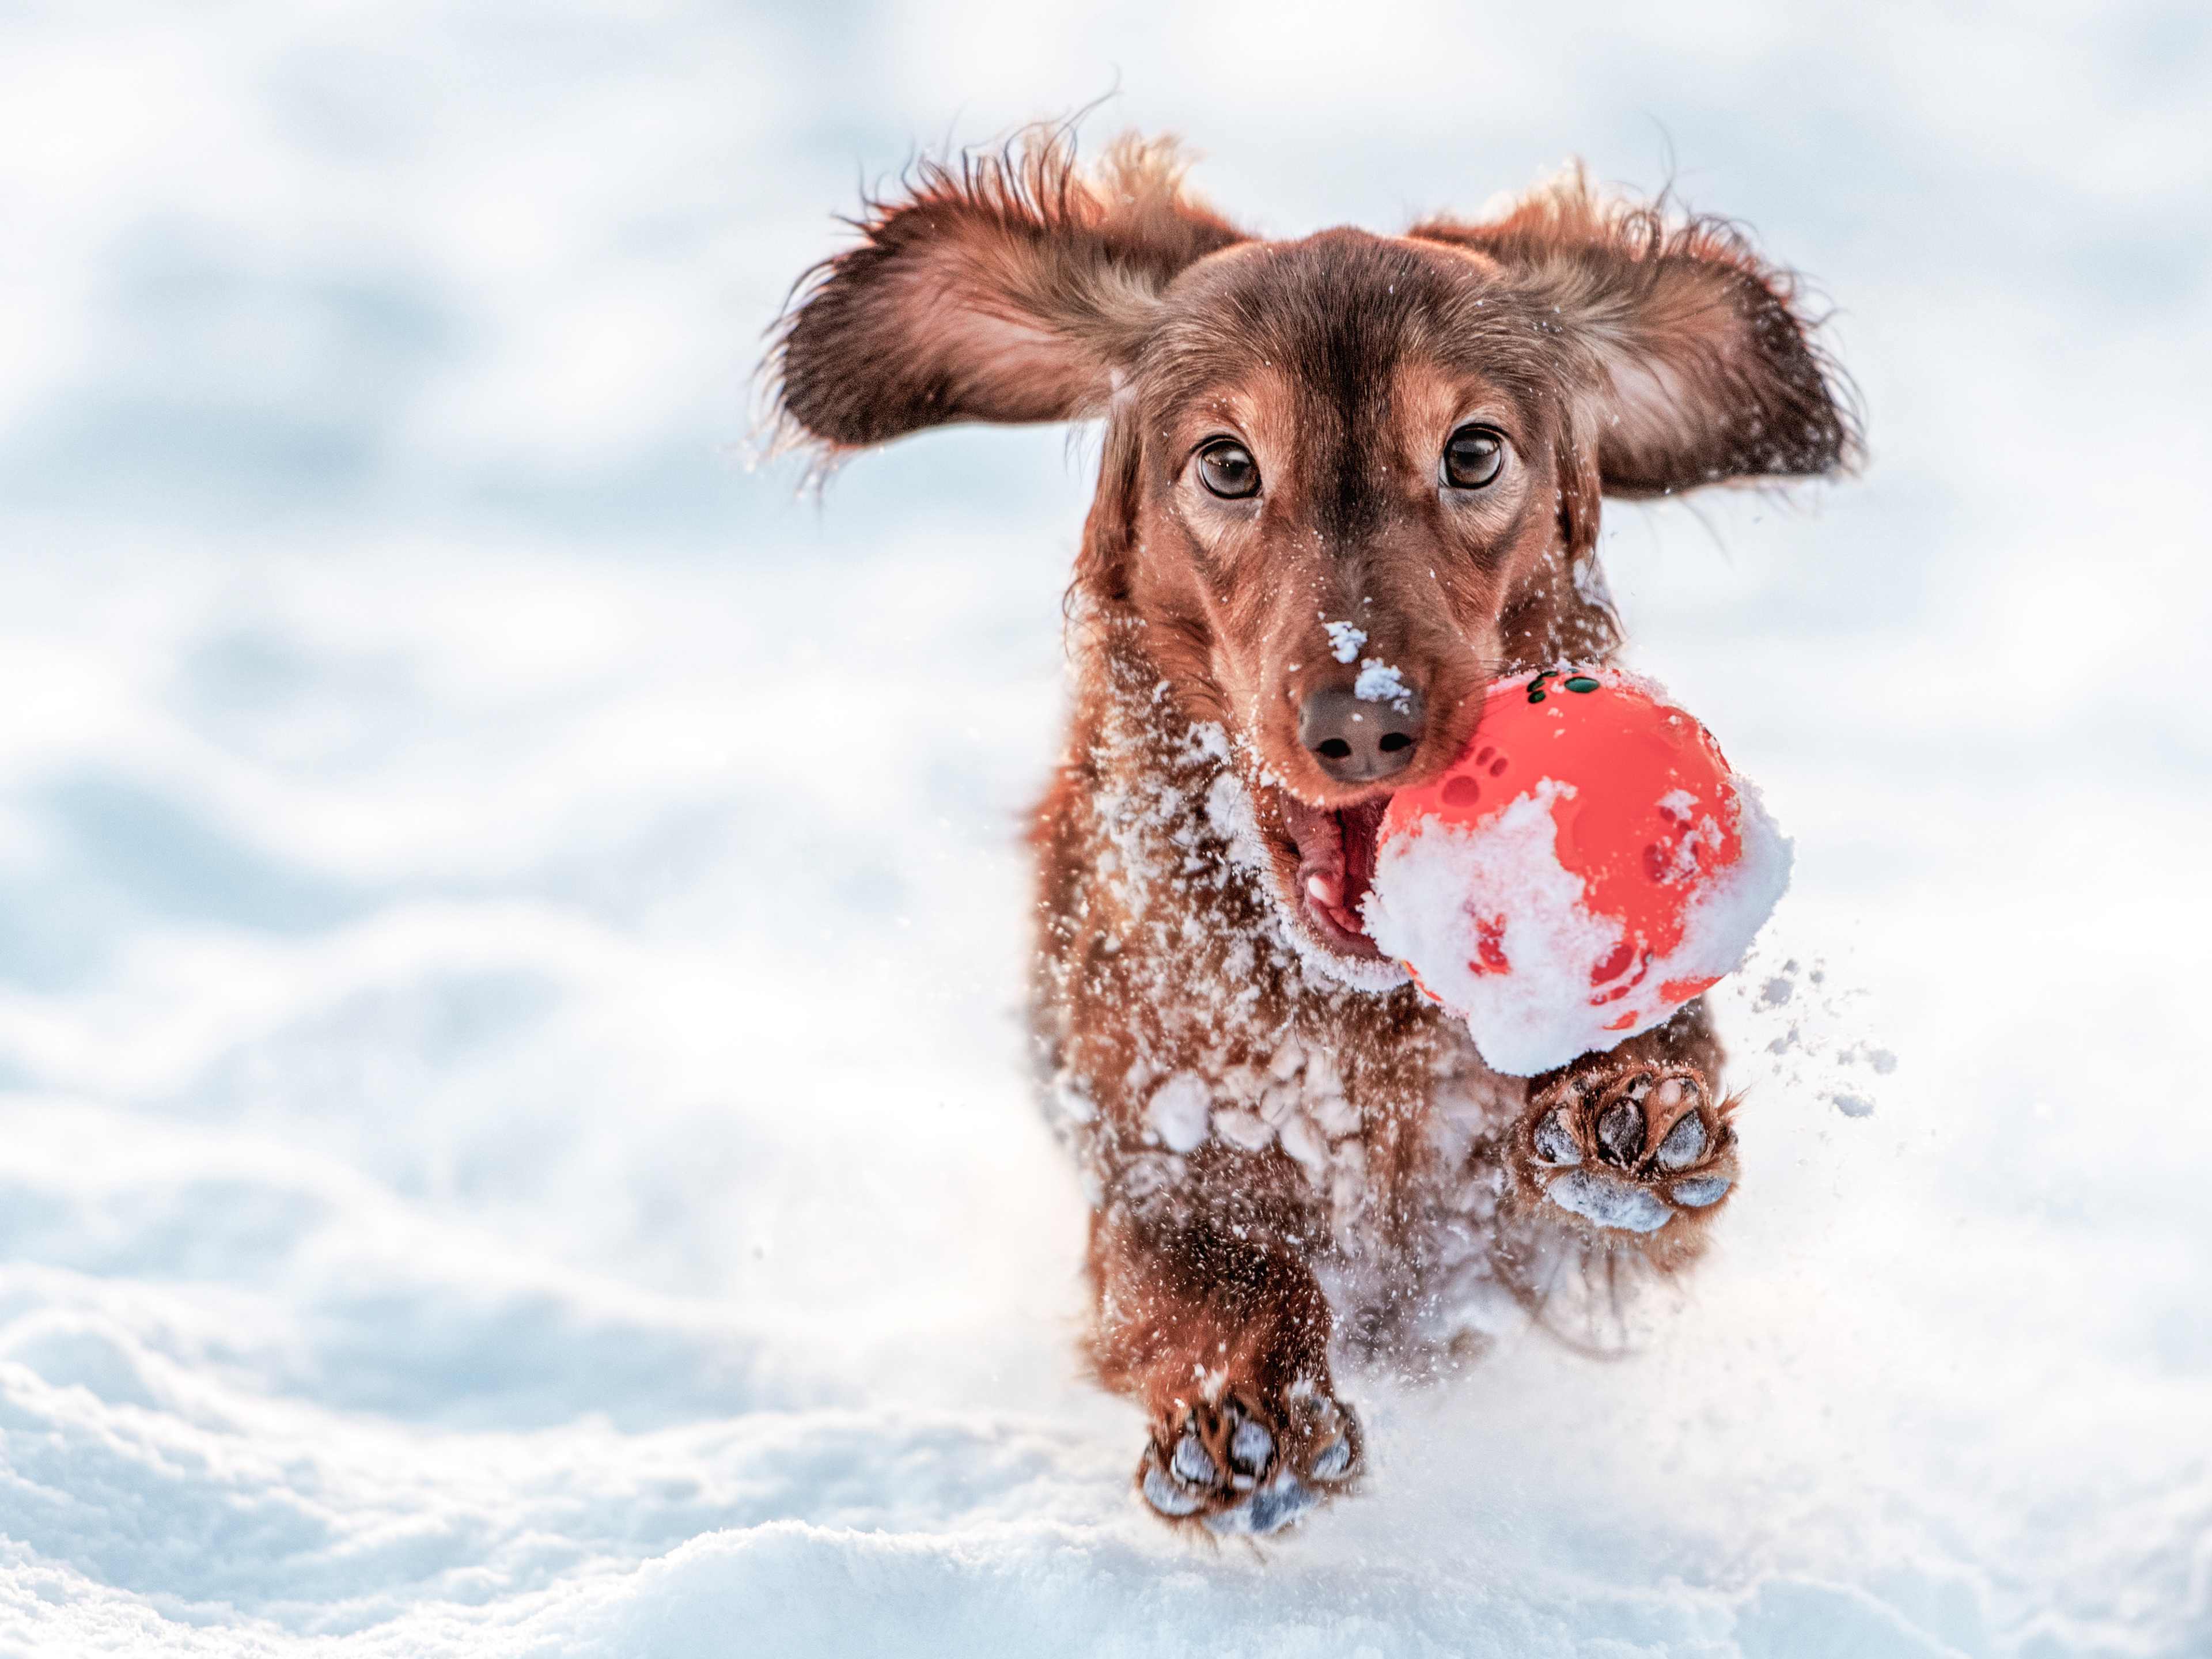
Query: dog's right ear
[(1688, 359), (1009, 289)]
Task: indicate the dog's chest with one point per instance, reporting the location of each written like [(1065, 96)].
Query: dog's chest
[(1234, 1053)]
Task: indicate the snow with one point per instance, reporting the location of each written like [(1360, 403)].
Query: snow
[(1379, 682), (1536, 1014), (1343, 640), (1178, 1110), (514, 1137)]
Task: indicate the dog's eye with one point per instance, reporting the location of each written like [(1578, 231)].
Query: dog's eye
[(1474, 456), (1227, 471)]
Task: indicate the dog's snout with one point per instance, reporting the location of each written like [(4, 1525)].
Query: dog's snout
[(1359, 741)]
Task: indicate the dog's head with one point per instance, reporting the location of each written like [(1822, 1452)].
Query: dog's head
[(1346, 481)]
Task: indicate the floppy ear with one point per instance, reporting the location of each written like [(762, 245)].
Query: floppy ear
[(1006, 290), (1688, 362)]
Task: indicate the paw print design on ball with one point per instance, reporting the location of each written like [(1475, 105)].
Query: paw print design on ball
[(1628, 1147)]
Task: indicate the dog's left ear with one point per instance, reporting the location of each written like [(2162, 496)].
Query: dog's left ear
[(1005, 287), (1688, 362)]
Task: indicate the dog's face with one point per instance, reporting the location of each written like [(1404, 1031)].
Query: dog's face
[(1346, 481)]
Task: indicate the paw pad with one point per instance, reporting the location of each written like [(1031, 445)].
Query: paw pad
[(1609, 1203), (1335, 1459), (1271, 1508), (1249, 1448), (1191, 1464), (1555, 1142), (1707, 1189), (1620, 1133), (1169, 1497), (1685, 1144)]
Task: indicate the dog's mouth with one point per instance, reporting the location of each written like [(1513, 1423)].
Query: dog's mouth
[(1335, 868)]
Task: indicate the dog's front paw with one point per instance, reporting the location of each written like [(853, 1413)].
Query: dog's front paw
[(1628, 1146), (1235, 1466)]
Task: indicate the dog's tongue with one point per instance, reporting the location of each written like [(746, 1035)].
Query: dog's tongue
[(1363, 825), (1337, 861)]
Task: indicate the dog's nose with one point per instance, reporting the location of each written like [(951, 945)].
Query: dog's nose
[(1357, 741)]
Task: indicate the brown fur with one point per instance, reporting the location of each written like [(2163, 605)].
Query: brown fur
[(1295, 1158)]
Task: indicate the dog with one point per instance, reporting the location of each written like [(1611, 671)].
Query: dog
[(1318, 456)]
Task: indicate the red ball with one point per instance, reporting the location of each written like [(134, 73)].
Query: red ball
[(1588, 866)]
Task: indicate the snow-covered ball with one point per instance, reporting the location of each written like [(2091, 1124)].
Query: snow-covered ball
[(1588, 866)]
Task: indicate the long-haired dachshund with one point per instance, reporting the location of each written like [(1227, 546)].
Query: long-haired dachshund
[(1317, 452)]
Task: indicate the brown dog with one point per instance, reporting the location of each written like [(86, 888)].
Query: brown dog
[(1313, 450)]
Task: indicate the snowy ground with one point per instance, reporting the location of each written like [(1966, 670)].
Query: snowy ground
[(511, 1132)]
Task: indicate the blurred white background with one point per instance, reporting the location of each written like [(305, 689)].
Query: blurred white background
[(514, 1136)]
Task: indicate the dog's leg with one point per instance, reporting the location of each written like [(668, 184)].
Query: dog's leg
[(1635, 1143), (1224, 1341)]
